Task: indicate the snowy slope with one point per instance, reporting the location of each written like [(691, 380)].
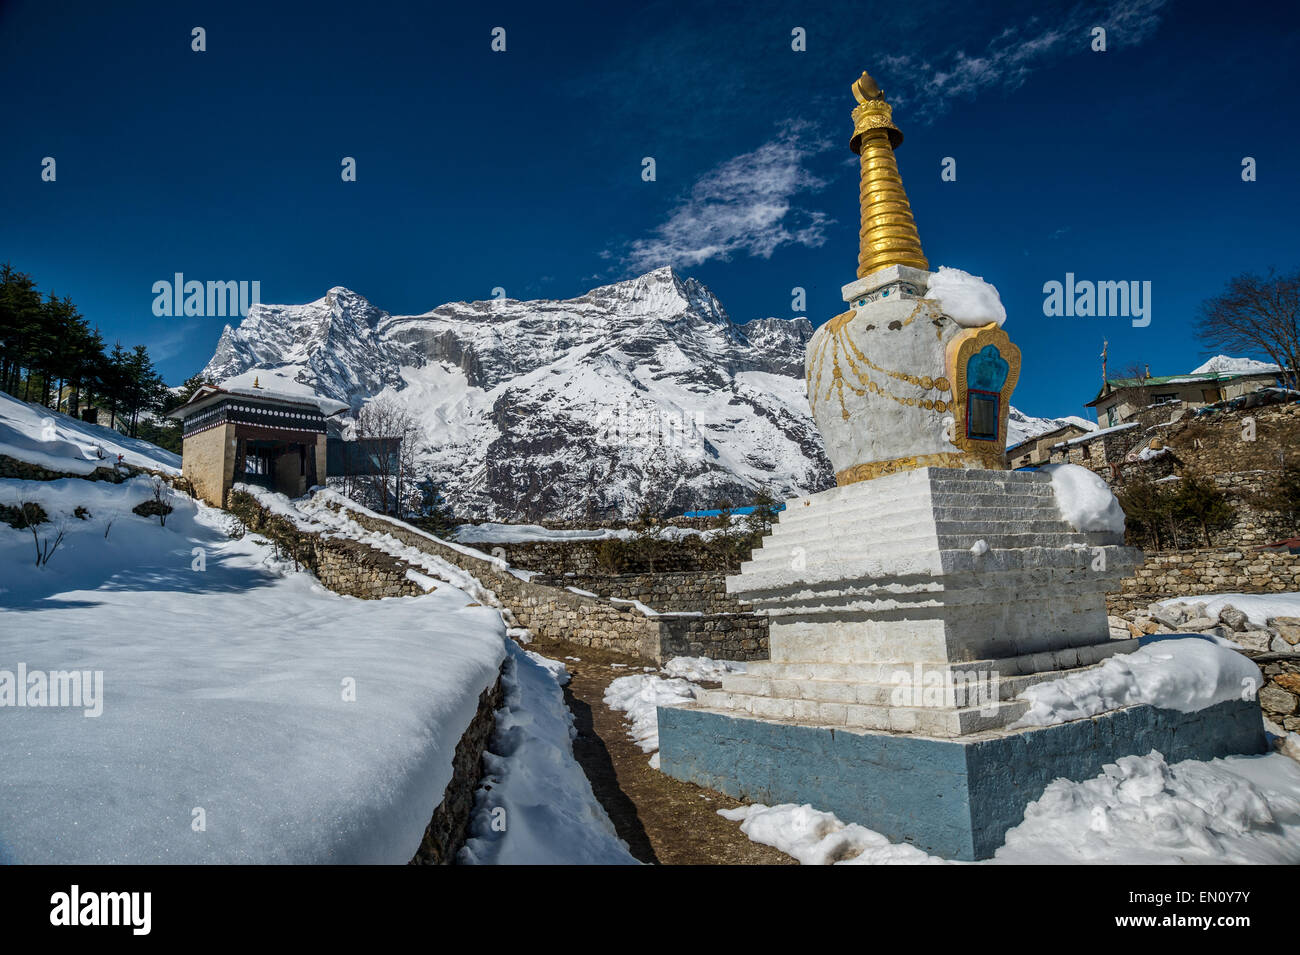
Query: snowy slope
[(60, 442), (639, 393), (222, 691), (1022, 427)]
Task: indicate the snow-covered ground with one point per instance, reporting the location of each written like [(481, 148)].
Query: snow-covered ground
[(248, 714), (62, 443), (1175, 673), (1140, 810), (535, 805), (1258, 608), (639, 695)]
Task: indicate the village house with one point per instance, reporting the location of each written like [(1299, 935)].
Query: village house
[(1121, 398), (1101, 451), (1035, 451), (253, 436)]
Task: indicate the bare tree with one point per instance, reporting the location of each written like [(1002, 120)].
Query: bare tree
[(1258, 314), (388, 434), (1139, 374), (30, 516)]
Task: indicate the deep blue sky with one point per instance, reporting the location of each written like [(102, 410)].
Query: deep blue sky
[(523, 169)]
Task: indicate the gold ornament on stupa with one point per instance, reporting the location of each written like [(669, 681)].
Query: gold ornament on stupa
[(888, 235)]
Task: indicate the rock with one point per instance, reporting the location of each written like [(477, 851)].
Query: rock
[(1171, 617), (1197, 623), (1120, 633), (1289, 682), (1233, 617), (1254, 640), (1278, 645), (1288, 744), (1148, 625), (1288, 628), (1277, 700), (1117, 623)]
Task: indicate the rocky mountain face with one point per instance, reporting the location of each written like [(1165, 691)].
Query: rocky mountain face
[(640, 393)]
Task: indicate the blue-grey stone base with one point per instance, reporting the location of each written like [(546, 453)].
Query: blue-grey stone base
[(954, 798)]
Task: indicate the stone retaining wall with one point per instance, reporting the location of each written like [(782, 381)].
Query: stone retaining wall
[(1206, 571), (449, 827), (609, 557), (554, 613), (740, 636), (704, 591), (345, 566), (1280, 696), (16, 470), (549, 612)]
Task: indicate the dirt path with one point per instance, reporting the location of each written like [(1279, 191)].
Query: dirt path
[(663, 821)]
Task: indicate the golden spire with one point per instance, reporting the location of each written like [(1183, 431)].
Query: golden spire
[(888, 235)]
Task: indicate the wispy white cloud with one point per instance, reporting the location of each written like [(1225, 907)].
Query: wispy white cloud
[(744, 205), (1008, 59)]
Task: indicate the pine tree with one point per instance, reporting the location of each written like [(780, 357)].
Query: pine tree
[(1198, 500)]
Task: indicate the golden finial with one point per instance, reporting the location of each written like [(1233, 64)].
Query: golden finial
[(255, 384), (888, 235)]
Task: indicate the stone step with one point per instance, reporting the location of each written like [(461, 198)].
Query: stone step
[(770, 573), (917, 720), (845, 545), (954, 690), (807, 659), (830, 535), (948, 519), (947, 504)]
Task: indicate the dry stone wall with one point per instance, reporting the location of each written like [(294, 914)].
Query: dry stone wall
[(701, 591), (345, 566), (556, 613), (1194, 572), (449, 827)]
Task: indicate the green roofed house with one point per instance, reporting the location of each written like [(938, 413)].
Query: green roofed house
[(1218, 379)]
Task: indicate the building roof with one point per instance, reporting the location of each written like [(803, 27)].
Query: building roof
[(1113, 385), (1086, 438), (1048, 434), (208, 395)]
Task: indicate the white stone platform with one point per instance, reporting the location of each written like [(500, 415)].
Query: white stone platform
[(923, 602)]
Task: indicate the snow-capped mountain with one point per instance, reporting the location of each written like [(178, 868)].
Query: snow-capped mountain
[(1022, 427), (639, 393), (1225, 364)]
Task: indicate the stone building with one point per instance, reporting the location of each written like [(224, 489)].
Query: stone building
[(253, 436), (1037, 450), (1101, 451), (1121, 398)]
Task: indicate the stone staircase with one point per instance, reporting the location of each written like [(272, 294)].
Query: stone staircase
[(923, 602)]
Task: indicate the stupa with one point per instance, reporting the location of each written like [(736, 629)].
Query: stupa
[(912, 604)]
